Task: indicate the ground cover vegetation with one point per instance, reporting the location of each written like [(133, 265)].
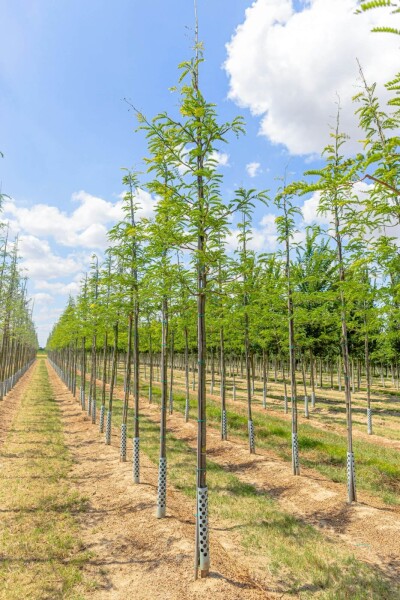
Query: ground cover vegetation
[(171, 297), (236, 339), (42, 555)]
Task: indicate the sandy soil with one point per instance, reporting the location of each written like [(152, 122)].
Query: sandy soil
[(136, 555), (369, 528), (320, 409)]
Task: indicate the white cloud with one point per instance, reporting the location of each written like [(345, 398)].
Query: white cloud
[(40, 262), (311, 214), (310, 211), (59, 288), (145, 202), (221, 158), (45, 231), (41, 298), (288, 67), (85, 227), (263, 237), (253, 169)]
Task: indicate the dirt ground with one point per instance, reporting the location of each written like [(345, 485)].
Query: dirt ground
[(322, 410), (135, 554), (369, 528)]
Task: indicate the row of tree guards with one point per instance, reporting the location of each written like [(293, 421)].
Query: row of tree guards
[(18, 341), (100, 366), (169, 295), (222, 379)]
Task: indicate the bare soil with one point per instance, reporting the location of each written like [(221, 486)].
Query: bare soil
[(321, 410), (369, 528), (136, 555)]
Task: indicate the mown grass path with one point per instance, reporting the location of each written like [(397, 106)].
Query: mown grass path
[(41, 556), (135, 555)]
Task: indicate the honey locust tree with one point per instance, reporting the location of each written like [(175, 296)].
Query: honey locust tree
[(248, 271), (185, 145), (339, 202), (286, 228), (129, 236)]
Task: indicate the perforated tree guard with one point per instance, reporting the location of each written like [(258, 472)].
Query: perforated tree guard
[(202, 524), (136, 460), (252, 444), (224, 426), (295, 454), (108, 428), (369, 420), (162, 488), (123, 443), (351, 478)]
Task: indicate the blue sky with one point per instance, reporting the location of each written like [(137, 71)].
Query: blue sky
[(65, 130), (68, 66)]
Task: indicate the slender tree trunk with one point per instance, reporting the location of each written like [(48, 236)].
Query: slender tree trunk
[(265, 359), (162, 467), (292, 362), (303, 372), (114, 370), (136, 391), (187, 399), (224, 427), (171, 381), (351, 482), (103, 386), (312, 380), (126, 391), (368, 378)]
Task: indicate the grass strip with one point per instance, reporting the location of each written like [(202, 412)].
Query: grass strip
[(42, 556), (302, 561), (377, 468)]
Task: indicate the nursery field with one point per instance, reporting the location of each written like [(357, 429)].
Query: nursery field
[(272, 535), (200, 372)]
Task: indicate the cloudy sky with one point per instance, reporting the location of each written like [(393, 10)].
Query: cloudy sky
[(66, 132)]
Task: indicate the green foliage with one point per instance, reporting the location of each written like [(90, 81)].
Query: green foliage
[(373, 4)]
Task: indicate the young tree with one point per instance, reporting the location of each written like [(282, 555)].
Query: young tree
[(314, 272), (339, 202), (247, 272), (130, 235), (286, 227), (186, 144)]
